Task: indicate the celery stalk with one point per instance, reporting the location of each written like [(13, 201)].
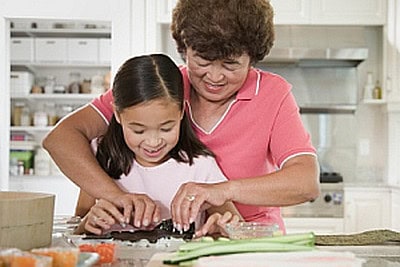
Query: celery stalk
[(294, 242)]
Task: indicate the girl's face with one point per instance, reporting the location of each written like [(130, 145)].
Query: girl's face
[(151, 130), (217, 80)]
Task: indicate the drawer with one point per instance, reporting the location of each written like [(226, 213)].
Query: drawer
[(22, 50), (52, 50), (104, 50), (83, 50)]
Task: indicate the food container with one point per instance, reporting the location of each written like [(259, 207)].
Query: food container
[(26, 219), (245, 230)]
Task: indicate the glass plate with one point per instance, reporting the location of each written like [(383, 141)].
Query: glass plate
[(87, 259)]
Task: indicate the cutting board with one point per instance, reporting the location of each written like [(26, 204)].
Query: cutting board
[(288, 259), (157, 260)]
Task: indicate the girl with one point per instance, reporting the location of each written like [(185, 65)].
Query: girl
[(150, 149)]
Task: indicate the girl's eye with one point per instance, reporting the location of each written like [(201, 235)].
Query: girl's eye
[(138, 132), (165, 130)]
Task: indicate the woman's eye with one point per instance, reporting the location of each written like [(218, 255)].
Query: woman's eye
[(231, 67), (138, 132), (203, 64)]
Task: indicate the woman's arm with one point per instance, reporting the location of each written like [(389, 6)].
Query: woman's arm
[(68, 143), (296, 182), (84, 203)]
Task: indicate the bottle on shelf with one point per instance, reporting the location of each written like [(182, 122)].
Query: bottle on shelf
[(25, 116), (40, 118), (16, 113), (377, 91), (74, 86), (369, 86), (50, 84), (42, 162)]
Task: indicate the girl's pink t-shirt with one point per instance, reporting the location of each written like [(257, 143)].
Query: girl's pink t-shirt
[(260, 130)]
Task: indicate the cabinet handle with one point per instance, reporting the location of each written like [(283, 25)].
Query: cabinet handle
[(50, 42), (82, 43)]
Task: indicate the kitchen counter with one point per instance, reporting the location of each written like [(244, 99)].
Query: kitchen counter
[(387, 255)]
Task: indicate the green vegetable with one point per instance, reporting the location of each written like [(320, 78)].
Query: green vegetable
[(194, 250)]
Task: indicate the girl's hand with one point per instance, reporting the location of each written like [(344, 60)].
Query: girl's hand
[(216, 224), (145, 211), (101, 217), (104, 214)]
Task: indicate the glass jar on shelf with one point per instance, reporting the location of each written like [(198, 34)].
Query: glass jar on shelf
[(51, 111), (25, 116), (74, 86), (40, 117), (50, 84), (16, 113)]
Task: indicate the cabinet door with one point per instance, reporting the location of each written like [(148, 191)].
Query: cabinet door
[(316, 225), (367, 208), (164, 10), (354, 12), (395, 209), (291, 11)]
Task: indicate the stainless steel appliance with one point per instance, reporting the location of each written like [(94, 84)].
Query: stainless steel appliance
[(330, 203)]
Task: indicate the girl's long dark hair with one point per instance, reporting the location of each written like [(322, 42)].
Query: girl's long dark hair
[(141, 79)]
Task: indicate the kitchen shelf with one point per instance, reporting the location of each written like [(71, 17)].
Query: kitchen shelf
[(31, 128), (374, 101), (34, 65), (74, 31), (56, 96), (328, 109)]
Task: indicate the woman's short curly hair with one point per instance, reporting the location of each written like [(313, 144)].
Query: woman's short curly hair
[(220, 29)]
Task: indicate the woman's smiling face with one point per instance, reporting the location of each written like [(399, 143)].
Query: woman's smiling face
[(151, 129), (217, 80)]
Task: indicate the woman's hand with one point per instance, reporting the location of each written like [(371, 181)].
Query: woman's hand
[(194, 197), (216, 224)]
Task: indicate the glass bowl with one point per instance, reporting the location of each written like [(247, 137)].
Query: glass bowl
[(246, 230)]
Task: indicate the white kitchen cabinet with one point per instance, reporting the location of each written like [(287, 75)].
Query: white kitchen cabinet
[(65, 191), (292, 11), (316, 225), (164, 10), (333, 12), (76, 52), (367, 208), (396, 209)]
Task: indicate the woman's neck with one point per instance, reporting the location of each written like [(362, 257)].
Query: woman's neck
[(207, 113)]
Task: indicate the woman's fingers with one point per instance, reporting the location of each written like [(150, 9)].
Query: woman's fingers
[(192, 198)]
